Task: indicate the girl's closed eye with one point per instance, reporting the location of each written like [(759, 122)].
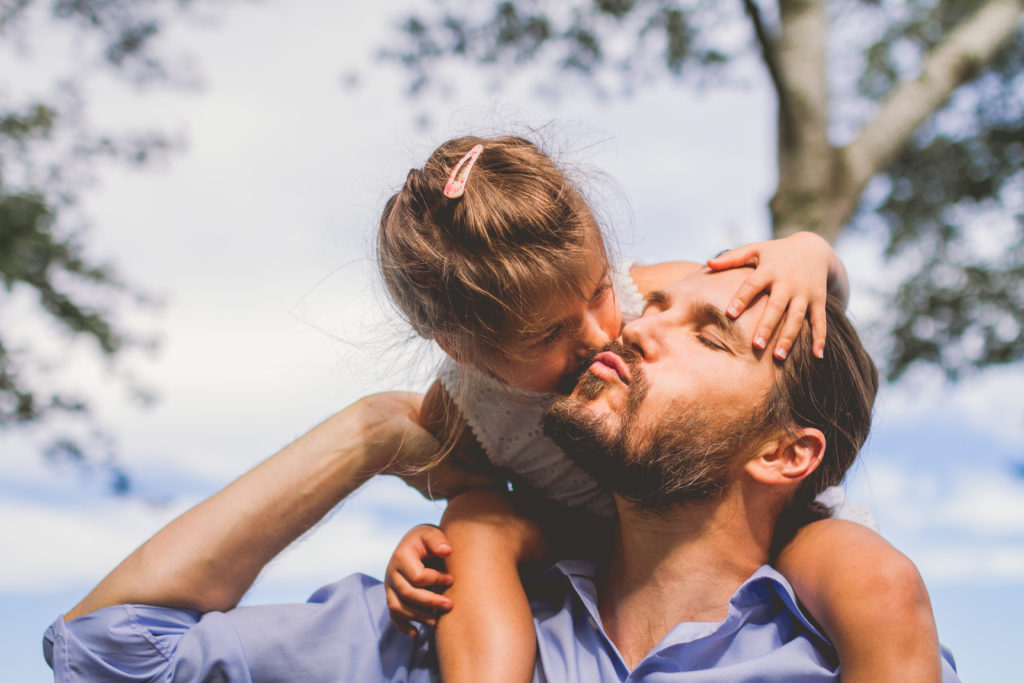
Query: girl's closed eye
[(553, 335), (602, 289)]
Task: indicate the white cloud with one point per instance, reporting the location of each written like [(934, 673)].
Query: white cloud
[(994, 402), (978, 502), (50, 546), (990, 401), (985, 505), (973, 564), (964, 527)]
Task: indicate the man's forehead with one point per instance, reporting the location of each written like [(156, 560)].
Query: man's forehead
[(714, 287)]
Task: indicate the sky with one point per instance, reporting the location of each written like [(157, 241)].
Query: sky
[(257, 239)]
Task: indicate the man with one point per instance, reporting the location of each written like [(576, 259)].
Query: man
[(686, 594)]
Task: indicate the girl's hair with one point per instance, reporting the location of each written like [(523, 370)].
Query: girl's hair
[(474, 269)]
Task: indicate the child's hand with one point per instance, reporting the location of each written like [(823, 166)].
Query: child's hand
[(408, 580), (796, 271)]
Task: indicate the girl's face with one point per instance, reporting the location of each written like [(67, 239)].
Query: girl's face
[(569, 330)]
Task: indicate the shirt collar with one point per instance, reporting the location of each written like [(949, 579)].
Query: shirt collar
[(759, 588)]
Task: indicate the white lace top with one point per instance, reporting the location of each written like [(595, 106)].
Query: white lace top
[(507, 423)]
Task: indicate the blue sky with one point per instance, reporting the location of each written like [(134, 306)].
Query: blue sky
[(258, 240)]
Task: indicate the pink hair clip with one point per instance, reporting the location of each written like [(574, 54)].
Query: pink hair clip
[(456, 184)]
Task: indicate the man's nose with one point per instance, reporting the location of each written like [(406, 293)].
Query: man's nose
[(591, 334), (640, 335)]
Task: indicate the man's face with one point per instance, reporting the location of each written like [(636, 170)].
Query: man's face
[(663, 417)]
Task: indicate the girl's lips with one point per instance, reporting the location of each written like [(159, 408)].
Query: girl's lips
[(610, 366)]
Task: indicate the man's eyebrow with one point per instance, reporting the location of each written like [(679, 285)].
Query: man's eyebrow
[(706, 313), (710, 314), (658, 296)]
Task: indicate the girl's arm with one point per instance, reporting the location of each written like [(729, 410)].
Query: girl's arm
[(484, 624), (869, 598), (649, 278), (485, 543), (488, 634)]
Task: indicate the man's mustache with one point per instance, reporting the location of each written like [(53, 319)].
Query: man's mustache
[(568, 383)]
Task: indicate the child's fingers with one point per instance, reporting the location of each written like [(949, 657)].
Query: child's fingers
[(790, 327), (410, 565), (734, 258), (403, 617), (818, 329), (417, 598), (774, 310), (434, 541), (404, 627), (425, 577), (410, 560), (755, 283)]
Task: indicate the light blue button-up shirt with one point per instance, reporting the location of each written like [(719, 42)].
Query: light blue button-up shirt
[(343, 633)]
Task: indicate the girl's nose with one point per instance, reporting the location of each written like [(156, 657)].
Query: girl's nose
[(592, 334)]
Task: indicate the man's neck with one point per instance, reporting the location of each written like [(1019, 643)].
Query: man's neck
[(681, 564)]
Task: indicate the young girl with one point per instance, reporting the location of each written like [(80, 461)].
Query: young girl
[(492, 252)]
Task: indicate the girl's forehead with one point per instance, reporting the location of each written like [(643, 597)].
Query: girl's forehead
[(561, 302)]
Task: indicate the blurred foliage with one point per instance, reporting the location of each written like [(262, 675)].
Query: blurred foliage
[(579, 38), (49, 152), (951, 206), (955, 209)]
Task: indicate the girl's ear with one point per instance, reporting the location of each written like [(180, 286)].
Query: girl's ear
[(788, 459), (453, 346)]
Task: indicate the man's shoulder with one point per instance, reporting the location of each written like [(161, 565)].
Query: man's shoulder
[(357, 583)]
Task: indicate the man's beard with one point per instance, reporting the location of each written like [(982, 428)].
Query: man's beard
[(685, 457)]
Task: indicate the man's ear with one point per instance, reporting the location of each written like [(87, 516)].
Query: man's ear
[(453, 345), (788, 459)]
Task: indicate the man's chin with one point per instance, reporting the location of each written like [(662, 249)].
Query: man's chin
[(582, 432)]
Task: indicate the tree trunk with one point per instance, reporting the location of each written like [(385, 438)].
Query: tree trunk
[(806, 160), (819, 186)]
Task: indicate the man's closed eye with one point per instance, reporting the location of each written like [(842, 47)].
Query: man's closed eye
[(711, 343)]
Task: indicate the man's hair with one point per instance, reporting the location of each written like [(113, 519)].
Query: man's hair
[(834, 394)]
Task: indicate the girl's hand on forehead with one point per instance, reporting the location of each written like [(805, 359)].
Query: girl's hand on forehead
[(795, 271)]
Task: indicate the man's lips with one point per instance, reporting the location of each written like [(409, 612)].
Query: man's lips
[(610, 366)]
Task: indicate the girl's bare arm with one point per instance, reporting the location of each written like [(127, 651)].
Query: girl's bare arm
[(869, 598)]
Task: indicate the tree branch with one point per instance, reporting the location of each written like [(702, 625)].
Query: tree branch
[(771, 62), (950, 64)]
